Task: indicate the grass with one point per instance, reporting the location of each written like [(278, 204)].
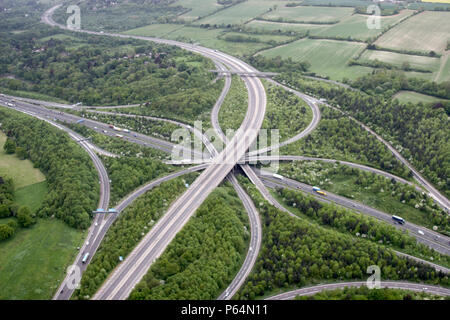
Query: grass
[(414, 97), (32, 195), (154, 30), (444, 72), (327, 57), (284, 27), (239, 13), (22, 171), (207, 7), (397, 59), (308, 14), (424, 32), (34, 261), (210, 38), (355, 26), (31, 95)]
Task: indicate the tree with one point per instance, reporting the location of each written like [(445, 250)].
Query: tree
[(6, 232), (21, 153), (4, 211), (24, 217), (10, 146)]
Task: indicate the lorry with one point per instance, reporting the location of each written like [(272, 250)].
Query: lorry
[(85, 258), (398, 219), (277, 176)]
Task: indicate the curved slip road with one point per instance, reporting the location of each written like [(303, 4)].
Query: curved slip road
[(310, 128), (194, 130), (434, 193), (103, 128), (63, 292), (130, 272), (347, 163), (434, 240), (418, 287)]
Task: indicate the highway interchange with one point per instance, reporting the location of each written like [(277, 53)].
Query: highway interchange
[(134, 267)]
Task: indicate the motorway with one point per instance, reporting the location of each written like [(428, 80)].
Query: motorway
[(385, 174), (434, 193), (129, 273), (418, 287), (312, 103), (63, 291), (432, 239), (123, 279)]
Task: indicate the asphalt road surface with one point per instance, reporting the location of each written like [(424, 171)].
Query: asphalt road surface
[(384, 284)]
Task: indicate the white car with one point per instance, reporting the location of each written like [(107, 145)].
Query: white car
[(421, 232)]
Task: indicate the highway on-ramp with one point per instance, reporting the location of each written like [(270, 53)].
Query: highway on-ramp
[(430, 238), (418, 287), (122, 281)]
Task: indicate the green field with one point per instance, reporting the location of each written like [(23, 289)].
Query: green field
[(424, 32), (327, 57), (270, 26), (397, 59), (32, 195), (414, 97), (22, 171), (34, 261), (444, 72), (355, 26), (308, 14), (154, 30), (206, 7), (210, 38), (239, 13)]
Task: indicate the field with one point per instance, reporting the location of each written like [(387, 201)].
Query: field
[(239, 13), (207, 7), (206, 37), (414, 97), (419, 33), (327, 57), (271, 26), (397, 59), (32, 195), (34, 260), (444, 72), (308, 14), (22, 171), (355, 26)]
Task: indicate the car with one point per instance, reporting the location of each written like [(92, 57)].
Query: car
[(96, 224), (420, 232)]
